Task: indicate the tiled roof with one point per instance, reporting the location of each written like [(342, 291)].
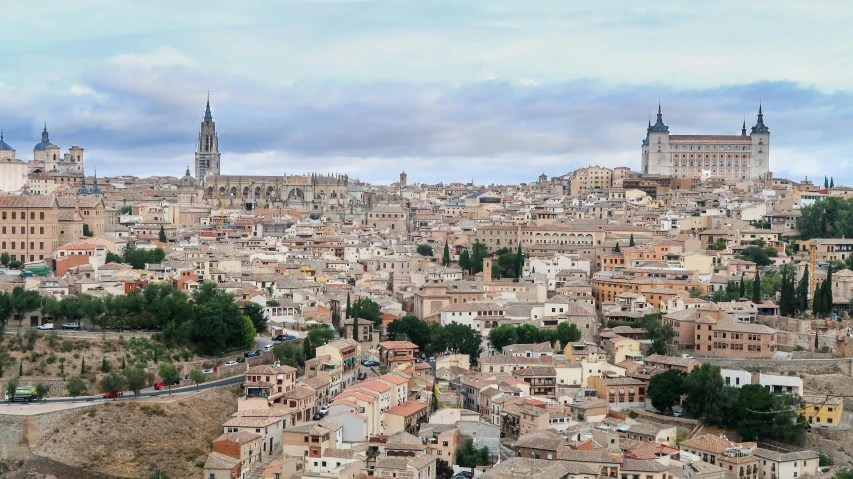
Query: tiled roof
[(407, 408), (216, 460)]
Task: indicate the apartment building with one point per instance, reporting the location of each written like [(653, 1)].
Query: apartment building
[(30, 227)]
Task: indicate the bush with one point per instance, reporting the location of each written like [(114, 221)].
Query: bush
[(67, 346), (799, 347), (633, 414), (51, 359), (824, 460)]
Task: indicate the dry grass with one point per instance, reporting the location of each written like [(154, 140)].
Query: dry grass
[(133, 438)]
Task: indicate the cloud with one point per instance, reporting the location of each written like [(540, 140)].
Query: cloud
[(140, 114)]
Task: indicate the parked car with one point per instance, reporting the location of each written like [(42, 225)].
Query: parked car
[(323, 410), (45, 326), (678, 413), (71, 326), (159, 385), (250, 354), (240, 359), (259, 351), (369, 363), (503, 434), (208, 371), (668, 412), (686, 356), (362, 375), (268, 347), (112, 396), (317, 417), (232, 363)]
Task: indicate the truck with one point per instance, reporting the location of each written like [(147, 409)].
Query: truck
[(23, 394)]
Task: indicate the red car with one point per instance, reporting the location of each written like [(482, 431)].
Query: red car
[(112, 396), (159, 385), (362, 376)]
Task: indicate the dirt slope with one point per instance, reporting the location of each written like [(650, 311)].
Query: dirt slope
[(131, 439)]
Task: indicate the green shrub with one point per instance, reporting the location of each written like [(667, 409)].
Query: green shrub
[(67, 346), (824, 460), (51, 359)]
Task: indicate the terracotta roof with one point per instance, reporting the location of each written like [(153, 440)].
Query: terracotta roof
[(398, 345), (407, 408), (239, 437), (216, 460)]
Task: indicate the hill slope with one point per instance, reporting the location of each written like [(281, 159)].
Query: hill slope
[(132, 439)]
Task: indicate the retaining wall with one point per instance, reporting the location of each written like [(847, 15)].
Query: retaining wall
[(808, 366)]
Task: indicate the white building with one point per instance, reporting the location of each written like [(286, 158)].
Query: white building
[(730, 156)]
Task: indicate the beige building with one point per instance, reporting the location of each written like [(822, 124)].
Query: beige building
[(30, 227), (591, 178), (390, 217)]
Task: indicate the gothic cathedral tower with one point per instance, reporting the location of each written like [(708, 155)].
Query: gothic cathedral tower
[(207, 152)]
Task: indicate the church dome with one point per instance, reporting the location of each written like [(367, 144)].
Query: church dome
[(3, 145), (188, 181), (45, 141)]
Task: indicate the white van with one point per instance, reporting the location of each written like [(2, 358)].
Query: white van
[(45, 326)]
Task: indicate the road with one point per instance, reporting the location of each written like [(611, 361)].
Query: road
[(150, 392)]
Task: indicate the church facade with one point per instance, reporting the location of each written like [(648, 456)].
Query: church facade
[(314, 193), (48, 162), (742, 157)]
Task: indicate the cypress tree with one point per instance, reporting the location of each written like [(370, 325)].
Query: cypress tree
[(742, 291), (520, 257), (83, 366), (21, 368), (831, 182), (817, 301), (802, 301), (825, 182), (122, 363), (445, 258), (631, 241), (1, 369), (827, 292), (355, 328), (348, 305), (617, 249), (162, 235), (756, 288), (815, 341)]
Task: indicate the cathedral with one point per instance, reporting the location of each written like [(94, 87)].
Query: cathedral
[(743, 157), (331, 195)]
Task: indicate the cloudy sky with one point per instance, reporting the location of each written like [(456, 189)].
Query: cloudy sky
[(497, 91)]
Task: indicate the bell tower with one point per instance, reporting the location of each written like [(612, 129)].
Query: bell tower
[(207, 155)]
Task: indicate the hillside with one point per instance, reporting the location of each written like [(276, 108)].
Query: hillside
[(129, 438)]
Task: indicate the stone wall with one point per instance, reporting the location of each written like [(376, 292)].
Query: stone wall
[(808, 366), (18, 433)]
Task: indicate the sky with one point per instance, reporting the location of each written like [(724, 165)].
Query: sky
[(491, 91)]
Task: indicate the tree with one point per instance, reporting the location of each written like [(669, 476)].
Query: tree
[(469, 456), (42, 390), (802, 292), (758, 255), (568, 333), (478, 252), (424, 250), (11, 388), (197, 376), (658, 333), (414, 329), (25, 301), (50, 307), (520, 260), (135, 378), (826, 292), (503, 336), (307, 349), (349, 307), (83, 366), (367, 309), (4, 258), (665, 389), (355, 334), (703, 386), (14, 264), (445, 257), (320, 334), (289, 353), (161, 236), (21, 368), (75, 386), (461, 339), (255, 312), (465, 260), (742, 286), (617, 249), (168, 373), (756, 288), (112, 383), (831, 182), (87, 232), (93, 309), (249, 332), (631, 242)]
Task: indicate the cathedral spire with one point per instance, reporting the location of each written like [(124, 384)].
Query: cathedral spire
[(743, 128), (208, 117)]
